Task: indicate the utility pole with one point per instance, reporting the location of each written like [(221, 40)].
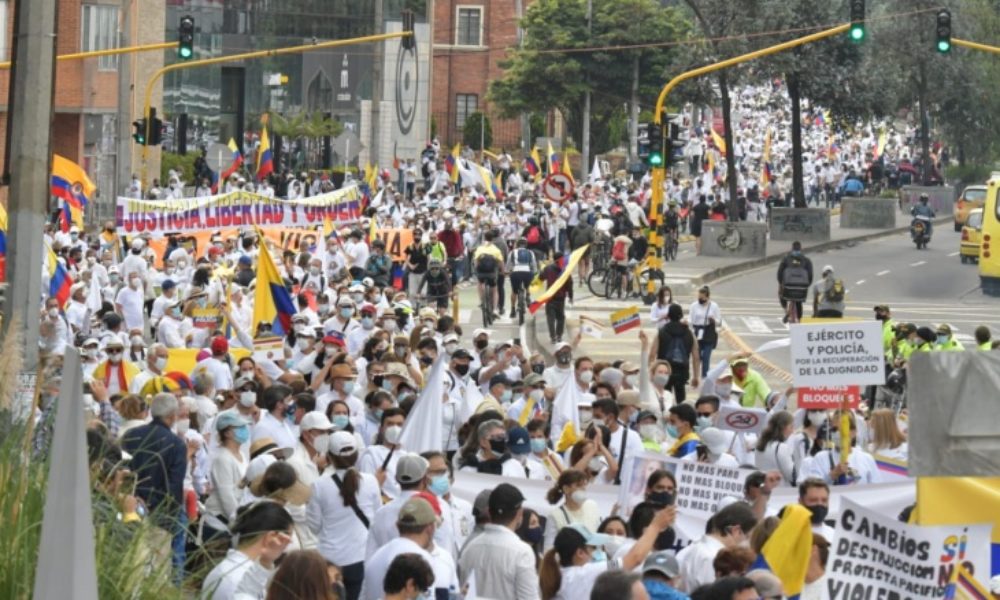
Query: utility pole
[(123, 158), (585, 143), (526, 143), (31, 125)]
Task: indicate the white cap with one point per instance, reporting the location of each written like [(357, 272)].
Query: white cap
[(74, 229), (342, 443), (561, 346), (315, 420), (827, 269), (451, 337), (138, 244), (481, 331), (258, 465)]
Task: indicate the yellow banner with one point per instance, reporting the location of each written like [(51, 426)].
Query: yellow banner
[(557, 285)]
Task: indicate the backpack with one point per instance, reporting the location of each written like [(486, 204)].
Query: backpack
[(534, 236), (487, 263), (522, 256), (618, 251), (677, 351), (834, 292), (796, 274)]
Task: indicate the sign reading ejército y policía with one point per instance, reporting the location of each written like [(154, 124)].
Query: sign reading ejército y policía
[(829, 354)]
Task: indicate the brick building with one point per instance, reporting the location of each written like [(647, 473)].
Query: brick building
[(471, 37)]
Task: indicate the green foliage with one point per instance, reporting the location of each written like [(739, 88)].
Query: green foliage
[(968, 174), (305, 125), (477, 133), (183, 163)]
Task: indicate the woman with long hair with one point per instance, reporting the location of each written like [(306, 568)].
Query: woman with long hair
[(134, 412), (773, 452), (806, 441), (303, 575), (260, 534), (658, 311), (887, 439), (571, 489), (531, 532), (342, 506)]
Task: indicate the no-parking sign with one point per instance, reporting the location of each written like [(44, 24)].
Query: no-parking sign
[(557, 187)]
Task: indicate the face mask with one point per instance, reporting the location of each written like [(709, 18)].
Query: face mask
[(169, 270), (426, 360), (182, 426), (672, 431), (176, 312), (498, 446), (651, 432), (367, 322), (386, 384), (662, 498), (348, 387), (722, 390), (389, 325), (579, 496), (506, 396), (534, 535), (181, 264), (323, 308), (450, 347), (538, 445), (563, 358), (632, 380), (248, 373), (818, 514), (115, 358), (321, 443), (346, 312), (137, 340), (314, 270), (91, 260), (303, 344), (816, 417), (660, 381), (702, 300), (586, 376), (248, 399), (538, 368), (536, 395), (135, 283), (595, 465), (462, 370), (241, 435), (358, 298), (340, 421), (439, 485), (703, 422), (429, 323), (392, 434), (586, 416), (54, 313)]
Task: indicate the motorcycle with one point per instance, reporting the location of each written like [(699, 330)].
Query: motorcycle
[(920, 231)]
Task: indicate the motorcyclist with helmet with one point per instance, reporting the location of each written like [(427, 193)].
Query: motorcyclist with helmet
[(924, 213)]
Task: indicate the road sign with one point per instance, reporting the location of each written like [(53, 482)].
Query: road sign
[(347, 146), (219, 157), (557, 187)]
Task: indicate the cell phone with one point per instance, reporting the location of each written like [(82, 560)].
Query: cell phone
[(517, 341)]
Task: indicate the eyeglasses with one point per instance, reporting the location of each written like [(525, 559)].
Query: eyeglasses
[(701, 414)]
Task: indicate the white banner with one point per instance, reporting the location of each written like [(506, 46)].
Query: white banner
[(829, 354), (235, 209), (877, 556)]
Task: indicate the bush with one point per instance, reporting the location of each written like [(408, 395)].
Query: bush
[(968, 174), (475, 135), (184, 163)]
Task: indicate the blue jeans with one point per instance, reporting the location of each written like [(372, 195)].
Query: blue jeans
[(705, 355), (177, 545)]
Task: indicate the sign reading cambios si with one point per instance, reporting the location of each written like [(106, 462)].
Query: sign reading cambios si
[(557, 187), (832, 354)]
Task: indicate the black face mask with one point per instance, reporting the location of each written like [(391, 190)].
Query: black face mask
[(538, 368), (662, 498), (819, 513), (563, 358), (462, 370), (426, 360), (702, 300), (498, 446), (377, 380), (481, 344)]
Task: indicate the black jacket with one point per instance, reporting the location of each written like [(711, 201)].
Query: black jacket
[(159, 461)]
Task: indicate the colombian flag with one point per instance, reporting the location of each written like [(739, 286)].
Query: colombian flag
[(978, 497), (566, 170), (59, 280), (236, 164), (498, 186), (3, 243), (272, 302), (533, 163), (553, 160), (566, 266), (765, 173), (71, 184), (451, 162), (265, 162), (718, 140), (786, 553)]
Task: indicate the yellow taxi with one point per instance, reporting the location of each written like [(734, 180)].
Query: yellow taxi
[(972, 233), (972, 197)]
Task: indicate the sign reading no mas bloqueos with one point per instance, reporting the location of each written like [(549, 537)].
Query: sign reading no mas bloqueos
[(828, 354)]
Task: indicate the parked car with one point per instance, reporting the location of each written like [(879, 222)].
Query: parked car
[(972, 197), (972, 234)]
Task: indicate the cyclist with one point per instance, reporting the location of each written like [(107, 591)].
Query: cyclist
[(640, 245), (522, 266), (438, 283), (620, 247), (795, 275), (488, 261), (671, 222)]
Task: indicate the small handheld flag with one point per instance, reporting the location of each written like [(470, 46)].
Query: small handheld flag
[(625, 319)]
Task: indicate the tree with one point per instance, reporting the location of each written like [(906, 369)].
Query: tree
[(477, 133), (309, 128)]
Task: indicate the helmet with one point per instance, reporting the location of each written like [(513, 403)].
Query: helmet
[(924, 197)]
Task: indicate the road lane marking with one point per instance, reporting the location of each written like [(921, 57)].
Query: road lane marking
[(918, 263), (756, 325), (881, 273), (953, 254), (859, 282)]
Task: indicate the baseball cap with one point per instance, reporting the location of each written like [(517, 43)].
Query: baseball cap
[(342, 443), (245, 260), (827, 269), (505, 500), (663, 562), (944, 328), (518, 440), (629, 367), (451, 337), (168, 284), (411, 469), (478, 332), (882, 307), (533, 380), (113, 342), (561, 346), (315, 420), (266, 445), (228, 419), (575, 536), (461, 353), (416, 511), (220, 345)]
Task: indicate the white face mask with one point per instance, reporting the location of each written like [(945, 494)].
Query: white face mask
[(303, 344), (817, 417), (321, 443), (536, 395), (595, 465), (135, 283), (392, 434), (650, 431), (248, 373), (632, 380), (722, 390), (586, 376), (450, 347), (660, 381), (137, 340), (115, 358), (54, 313), (161, 363), (389, 325), (579, 496), (248, 399), (182, 426)]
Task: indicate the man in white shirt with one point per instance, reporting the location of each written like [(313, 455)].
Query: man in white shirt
[(504, 565), (168, 289), (826, 465), (155, 366), (168, 332), (814, 494), (272, 424), (730, 527), (606, 412), (411, 475), (218, 364)]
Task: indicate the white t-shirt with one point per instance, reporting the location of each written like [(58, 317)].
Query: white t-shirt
[(131, 302), (378, 563), (577, 581)]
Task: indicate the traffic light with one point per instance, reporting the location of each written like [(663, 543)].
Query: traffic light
[(408, 42), (677, 137), (944, 31), (155, 129), (656, 159), (139, 135), (185, 38), (642, 142), (857, 31)]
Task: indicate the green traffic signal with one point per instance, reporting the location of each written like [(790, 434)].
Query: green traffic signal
[(655, 159), (944, 46), (857, 33), (185, 53)]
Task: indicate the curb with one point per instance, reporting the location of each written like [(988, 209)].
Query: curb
[(820, 247)]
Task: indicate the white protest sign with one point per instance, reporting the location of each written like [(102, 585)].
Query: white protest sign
[(828, 354), (733, 417), (877, 556), (700, 486)]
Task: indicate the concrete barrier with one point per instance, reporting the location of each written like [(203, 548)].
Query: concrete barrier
[(939, 197), (803, 224), (868, 213), (733, 240)]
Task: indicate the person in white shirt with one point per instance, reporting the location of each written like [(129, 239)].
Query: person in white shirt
[(309, 455), (357, 254), (705, 318), (730, 527), (218, 364), (714, 449), (76, 309), (827, 466), (503, 564), (274, 402), (168, 331), (134, 262), (228, 468), (411, 474), (773, 451), (486, 452), (606, 412), (155, 365), (561, 372), (576, 508), (814, 494), (382, 457), (341, 508), (168, 292)]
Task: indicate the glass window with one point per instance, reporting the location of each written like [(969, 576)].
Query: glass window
[(975, 195), (467, 104), (975, 220), (469, 27), (4, 42), (100, 32)]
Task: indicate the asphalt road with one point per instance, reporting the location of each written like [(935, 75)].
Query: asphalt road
[(925, 287)]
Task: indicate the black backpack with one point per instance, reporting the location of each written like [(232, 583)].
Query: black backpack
[(796, 274), (677, 350)]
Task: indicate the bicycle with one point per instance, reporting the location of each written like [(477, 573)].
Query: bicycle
[(792, 297), (486, 300), (522, 304), (642, 280), (671, 244)]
